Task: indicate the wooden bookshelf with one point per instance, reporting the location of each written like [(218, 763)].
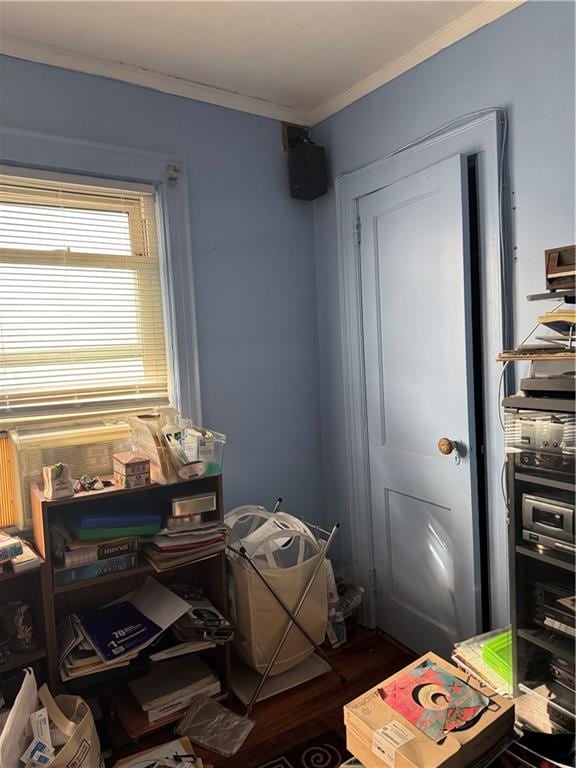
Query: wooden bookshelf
[(28, 586), (83, 596), (527, 355)]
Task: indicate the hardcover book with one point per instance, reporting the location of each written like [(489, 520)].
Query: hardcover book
[(80, 553), (65, 576)]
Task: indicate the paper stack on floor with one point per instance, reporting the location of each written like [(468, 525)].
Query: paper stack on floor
[(430, 714)]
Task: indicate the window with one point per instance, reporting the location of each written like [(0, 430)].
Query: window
[(81, 315)]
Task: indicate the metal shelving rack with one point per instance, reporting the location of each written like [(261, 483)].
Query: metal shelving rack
[(537, 468)]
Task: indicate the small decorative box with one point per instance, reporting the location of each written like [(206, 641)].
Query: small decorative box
[(131, 481), (130, 463)]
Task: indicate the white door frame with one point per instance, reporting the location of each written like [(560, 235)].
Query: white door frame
[(479, 136)]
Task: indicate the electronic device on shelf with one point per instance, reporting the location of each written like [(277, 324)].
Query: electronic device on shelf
[(540, 386), (563, 674), (553, 609), (543, 461), (546, 522), (541, 435)]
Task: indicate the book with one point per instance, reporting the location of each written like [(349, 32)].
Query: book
[(82, 553), (10, 547), (65, 576), (171, 681), (27, 561)]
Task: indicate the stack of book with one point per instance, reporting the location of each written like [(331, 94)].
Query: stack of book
[(171, 548), (170, 687), (96, 545), (16, 555)]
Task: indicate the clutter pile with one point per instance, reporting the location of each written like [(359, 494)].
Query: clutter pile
[(131, 470), (152, 619), (42, 731), (343, 611), (176, 448), (86, 545), (427, 715), (16, 555), (169, 689), (201, 628), (178, 753), (192, 532), (475, 657)]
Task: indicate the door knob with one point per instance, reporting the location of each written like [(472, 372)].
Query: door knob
[(446, 446)]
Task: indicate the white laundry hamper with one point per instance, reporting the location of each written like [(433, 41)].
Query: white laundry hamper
[(285, 552)]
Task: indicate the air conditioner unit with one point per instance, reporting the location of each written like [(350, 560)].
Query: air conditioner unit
[(86, 447)]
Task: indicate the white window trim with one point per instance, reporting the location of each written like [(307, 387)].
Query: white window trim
[(28, 153)]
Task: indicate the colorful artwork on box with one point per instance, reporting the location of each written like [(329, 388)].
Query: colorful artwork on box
[(433, 700)]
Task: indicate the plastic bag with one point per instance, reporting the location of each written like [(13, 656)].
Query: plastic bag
[(210, 725)]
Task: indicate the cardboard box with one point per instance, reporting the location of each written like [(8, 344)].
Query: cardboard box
[(379, 736)]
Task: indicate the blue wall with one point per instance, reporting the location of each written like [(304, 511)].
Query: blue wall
[(524, 62), (253, 260), (263, 371)]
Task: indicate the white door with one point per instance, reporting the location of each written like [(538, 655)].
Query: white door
[(415, 273)]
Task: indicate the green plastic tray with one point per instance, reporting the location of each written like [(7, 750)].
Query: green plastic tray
[(497, 654), (97, 534)]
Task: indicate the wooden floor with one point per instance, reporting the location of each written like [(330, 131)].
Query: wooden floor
[(294, 717)]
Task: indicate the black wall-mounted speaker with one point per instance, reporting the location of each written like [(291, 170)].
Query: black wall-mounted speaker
[(307, 167)]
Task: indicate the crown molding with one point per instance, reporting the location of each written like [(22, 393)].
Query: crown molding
[(477, 17), (177, 86)]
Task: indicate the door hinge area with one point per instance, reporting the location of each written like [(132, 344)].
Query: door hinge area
[(358, 230), (373, 581)]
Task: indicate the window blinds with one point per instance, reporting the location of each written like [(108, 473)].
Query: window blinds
[(81, 316)]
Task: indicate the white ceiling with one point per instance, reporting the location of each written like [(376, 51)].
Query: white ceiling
[(298, 61)]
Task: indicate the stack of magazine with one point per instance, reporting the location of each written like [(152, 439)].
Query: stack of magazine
[(203, 621), (171, 548), (112, 636)]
